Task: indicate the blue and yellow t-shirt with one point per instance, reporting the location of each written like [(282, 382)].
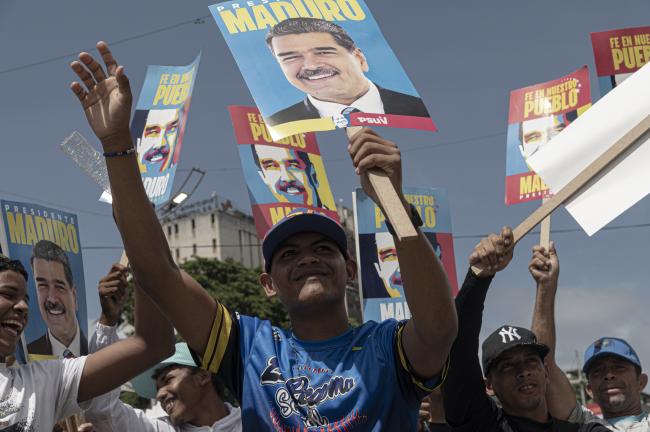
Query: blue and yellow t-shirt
[(358, 381)]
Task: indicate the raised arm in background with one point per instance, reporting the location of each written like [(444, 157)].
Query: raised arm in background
[(545, 269), (106, 99)]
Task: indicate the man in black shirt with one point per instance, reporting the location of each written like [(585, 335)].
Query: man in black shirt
[(512, 361)]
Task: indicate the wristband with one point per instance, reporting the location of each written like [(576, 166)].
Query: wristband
[(415, 219), (120, 153)]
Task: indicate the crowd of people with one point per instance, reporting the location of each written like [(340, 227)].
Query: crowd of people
[(321, 374)]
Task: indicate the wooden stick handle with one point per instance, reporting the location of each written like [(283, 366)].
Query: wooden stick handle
[(591, 172), (389, 199), (545, 230)]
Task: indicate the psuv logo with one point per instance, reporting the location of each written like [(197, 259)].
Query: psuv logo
[(379, 120), (297, 396), (510, 333)]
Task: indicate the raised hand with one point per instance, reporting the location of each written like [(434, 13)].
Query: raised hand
[(493, 253), (113, 294), (545, 266), (105, 97), (369, 150)]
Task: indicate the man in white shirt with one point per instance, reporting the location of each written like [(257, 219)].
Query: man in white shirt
[(319, 58), (33, 397), (190, 396)]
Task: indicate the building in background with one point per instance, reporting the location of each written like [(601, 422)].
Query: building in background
[(212, 228)]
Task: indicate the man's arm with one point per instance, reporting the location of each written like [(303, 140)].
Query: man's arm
[(106, 99), (114, 365), (432, 328), (545, 269), (465, 402)]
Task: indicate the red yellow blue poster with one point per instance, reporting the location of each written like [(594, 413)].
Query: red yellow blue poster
[(319, 65), (159, 123), (537, 113), (46, 241), (618, 54), (380, 281), (283, 176)]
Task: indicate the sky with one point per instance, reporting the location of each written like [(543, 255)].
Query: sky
[(464, 57)]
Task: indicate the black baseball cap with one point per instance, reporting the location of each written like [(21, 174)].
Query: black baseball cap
[(296, 223), (507, 337)]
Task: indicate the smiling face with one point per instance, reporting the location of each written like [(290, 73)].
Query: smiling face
[(180, 391), (387, 265), (616, 386), (57, 299), (316, 64), (13, 310), (284, 173), (308, 271), (519, 378), (159, 138)]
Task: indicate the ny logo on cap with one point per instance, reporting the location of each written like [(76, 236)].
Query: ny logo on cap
[(510, 332)]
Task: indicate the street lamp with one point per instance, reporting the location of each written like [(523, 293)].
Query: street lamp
[(184, 192)]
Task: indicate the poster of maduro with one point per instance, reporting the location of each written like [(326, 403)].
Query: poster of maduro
[(46, 240), (315, 65)]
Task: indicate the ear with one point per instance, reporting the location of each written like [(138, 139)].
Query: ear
[(589, 392), (351, 269), (488, 387), (643, 381), (202, 377), (267, 284), (362, 59)]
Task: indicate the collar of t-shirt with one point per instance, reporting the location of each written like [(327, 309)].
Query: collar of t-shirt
[(58, 348), (626, 420), (370, 102), (226, 424)]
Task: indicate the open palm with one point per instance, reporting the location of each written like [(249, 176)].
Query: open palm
[(105, 96)]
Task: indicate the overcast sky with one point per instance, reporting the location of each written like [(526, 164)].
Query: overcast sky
[(464, 57)]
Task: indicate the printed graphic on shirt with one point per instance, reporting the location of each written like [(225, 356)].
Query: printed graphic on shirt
[(9, 408), (296, 395)]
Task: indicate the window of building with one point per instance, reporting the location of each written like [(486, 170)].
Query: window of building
[(169, 230), (214, 245), (194, 249), (178, 254), (175, 228), (212, 219)]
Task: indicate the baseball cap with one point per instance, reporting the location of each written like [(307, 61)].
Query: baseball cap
[(607, 346), (145, 385), (299, 222), (507, 337)]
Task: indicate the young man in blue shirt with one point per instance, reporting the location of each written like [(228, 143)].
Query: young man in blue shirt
[(322, 374)]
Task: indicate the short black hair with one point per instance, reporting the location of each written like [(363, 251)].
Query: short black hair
[(7, 264), (311, 25), (50, 251)]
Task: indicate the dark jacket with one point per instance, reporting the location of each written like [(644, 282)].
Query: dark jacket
[(43, 346), (394, 103)]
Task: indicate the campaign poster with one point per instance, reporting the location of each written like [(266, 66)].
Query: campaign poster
[(284, 176), (380, 281), (537, 113), (319, 65), (159, 123), (618, 54), (46, 241)]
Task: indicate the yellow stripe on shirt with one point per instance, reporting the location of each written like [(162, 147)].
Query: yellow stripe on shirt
[(218, 340)]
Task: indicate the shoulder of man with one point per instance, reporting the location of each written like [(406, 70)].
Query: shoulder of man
[(402, 104), (41, 345)]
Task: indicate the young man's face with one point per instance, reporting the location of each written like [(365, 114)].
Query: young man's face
[(308, 270), (13, 310), (57, 299), (316, 64), (519, 379), (180, 392), (284, 173), (615, 385)]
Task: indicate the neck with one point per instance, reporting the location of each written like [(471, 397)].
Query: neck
[(632, 411), (538, 414), (323, 323), (210, 410), (66, 339)]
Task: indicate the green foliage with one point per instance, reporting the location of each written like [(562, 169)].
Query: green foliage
[(135, 401)]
